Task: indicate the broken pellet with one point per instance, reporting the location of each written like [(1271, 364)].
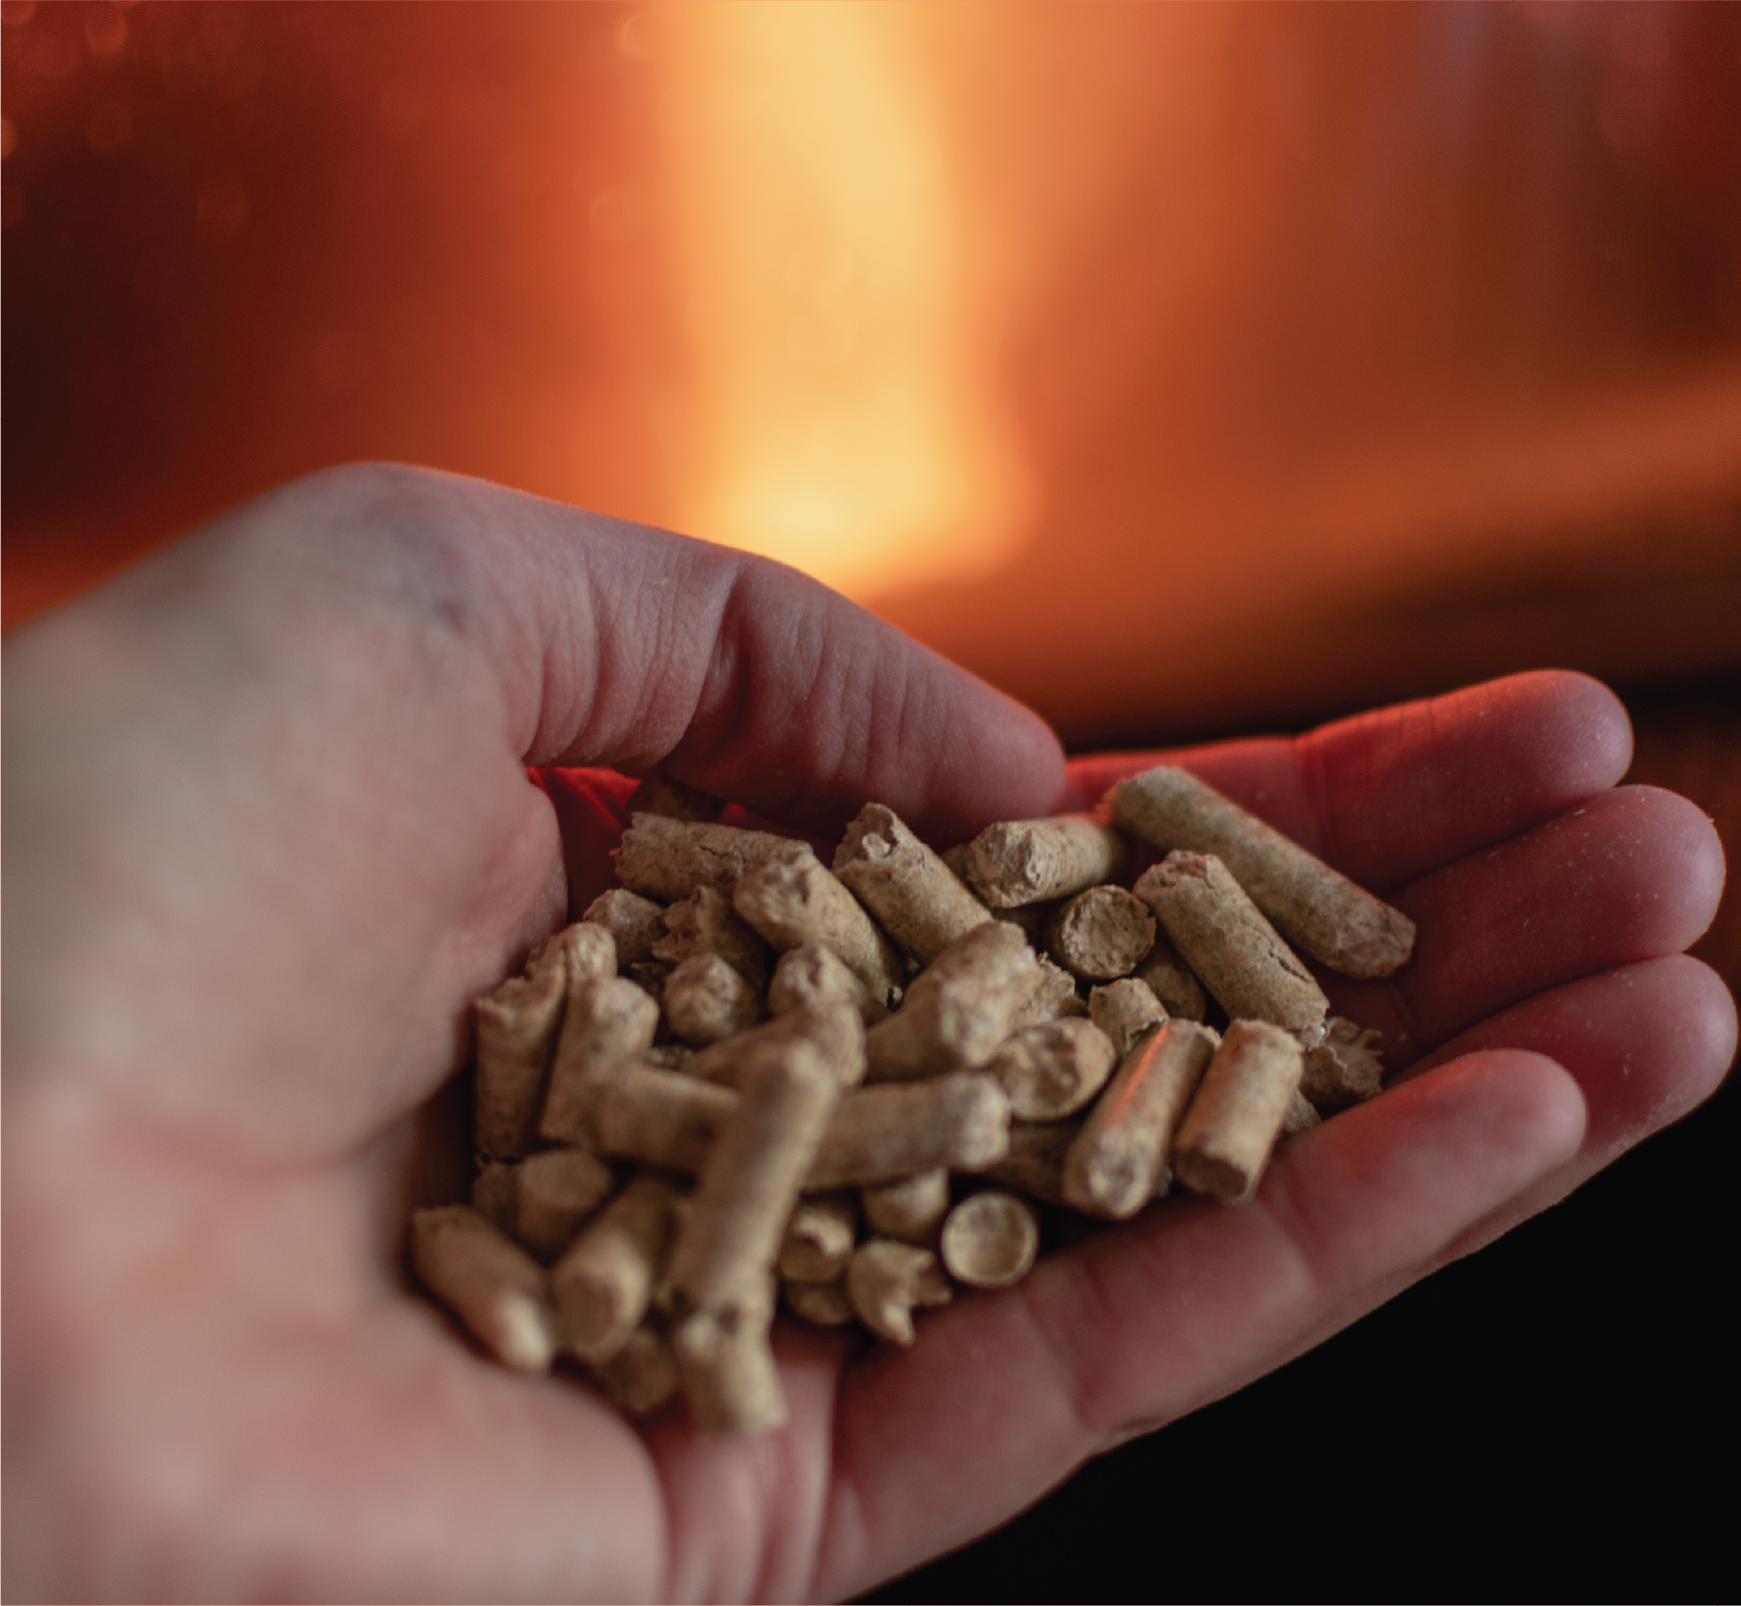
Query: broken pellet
[(911, 1209), (1034, 1164), (642, 1375), (791, 898), (517, 1029), (662, 1118), (604, 1281), (819, 1238), (1315, 907), (1054, 998), (705, 923), (488, 1281), (1233, 950), (727, 1368), (1344, 1068), (1169, 978), (608, 1025), (989, 1240), (880, 1134), (813, 974), (668, 859), (887, 1280), (706, 1000), (958, 1009), (635, 924), (1052, 1070), (820, 1304), (834, 1029), (917, 899), (558, 1190), (1224, 1142), (1124, 1010), (1028, 861), (1114, 1166), (1101, 934)]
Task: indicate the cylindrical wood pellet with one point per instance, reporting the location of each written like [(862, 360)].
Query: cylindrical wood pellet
[(1235, 952), (917, 899), (1321, 910), (1115, 1164), (1224, 1142), (1028, 861)]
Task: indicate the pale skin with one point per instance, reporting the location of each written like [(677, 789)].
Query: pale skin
[(269, 830)]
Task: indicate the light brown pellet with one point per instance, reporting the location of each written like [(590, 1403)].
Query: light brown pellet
[(635, 924), (705, 923), (820, 1304), (558, 1190), (990, 1240), (1169, 978), (958, 1009), (812, 974), (604, 1281), (1055, 998), (749, 1183), (1052, 1070), (668, 859), (835, 1030), (517, 1029), (727, 1368), (882, 1134), (642, 1376), (887, 1280), (1234, 951), (911, 1209), (1034, 1164), (583, 952), (488, 1281), (1336, 922), (1299, 1116), (608, 1025), (1344, 1068), (1028, 861), (792, 898), (1114, 1167), (819, 1238), (662, 1118), (1124, 1010), (706, 1000), (1224, 1142), (1101, 934), (917, 899)]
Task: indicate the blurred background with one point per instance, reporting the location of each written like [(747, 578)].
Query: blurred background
[(1184, 370)]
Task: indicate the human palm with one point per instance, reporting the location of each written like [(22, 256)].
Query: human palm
[(271, 829)]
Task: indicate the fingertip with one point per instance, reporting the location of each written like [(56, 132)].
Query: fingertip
[(1688, 836), (1594, 729)]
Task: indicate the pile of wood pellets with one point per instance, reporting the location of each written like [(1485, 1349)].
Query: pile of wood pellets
[(746, 1079)]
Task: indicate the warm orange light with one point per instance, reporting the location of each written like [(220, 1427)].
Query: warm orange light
[(845, 423)]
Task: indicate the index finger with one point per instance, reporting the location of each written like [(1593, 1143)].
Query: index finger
[(1391, 794)]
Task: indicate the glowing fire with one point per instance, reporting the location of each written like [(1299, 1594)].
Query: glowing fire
[(845, 422)]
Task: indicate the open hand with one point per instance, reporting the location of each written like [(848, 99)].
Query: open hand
[(271, 830)]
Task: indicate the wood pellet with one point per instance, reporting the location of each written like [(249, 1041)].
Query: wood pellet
[(747, 1082)]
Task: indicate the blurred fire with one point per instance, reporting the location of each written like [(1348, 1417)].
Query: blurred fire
[(1157, 362)]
